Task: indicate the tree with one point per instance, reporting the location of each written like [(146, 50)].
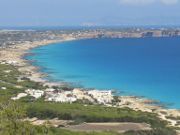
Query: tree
[(11, 119), (12, 115)]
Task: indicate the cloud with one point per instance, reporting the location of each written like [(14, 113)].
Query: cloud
[(146, 2), (169, 2), (136, 2)]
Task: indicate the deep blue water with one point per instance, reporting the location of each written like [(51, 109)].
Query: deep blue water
[(147, 67)]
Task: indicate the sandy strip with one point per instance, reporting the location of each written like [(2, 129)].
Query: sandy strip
[(119, 127)]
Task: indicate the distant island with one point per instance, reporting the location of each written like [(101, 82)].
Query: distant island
[(60, 108)]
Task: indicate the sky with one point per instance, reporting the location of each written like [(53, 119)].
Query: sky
[(89, 12)]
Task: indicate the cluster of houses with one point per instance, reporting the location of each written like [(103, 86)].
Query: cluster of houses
[(59, 96), (53, 95), (101, 97)]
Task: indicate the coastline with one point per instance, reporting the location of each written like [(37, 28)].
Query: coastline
[(15, 55)]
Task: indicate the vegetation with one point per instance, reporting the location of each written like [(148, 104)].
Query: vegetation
[(90, 113), (157, 131), (12, 113), (9, 79), (173, 118)]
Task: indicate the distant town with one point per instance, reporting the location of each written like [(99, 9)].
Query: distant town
[(12, 37)]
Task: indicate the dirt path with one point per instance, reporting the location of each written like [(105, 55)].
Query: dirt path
[(119, 127)]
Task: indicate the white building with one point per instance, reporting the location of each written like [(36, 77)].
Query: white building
[(50, 90), (11, 62), (82, 94), (102, 97), (62, 97), (3, 88), (35, 93), (20, 95)]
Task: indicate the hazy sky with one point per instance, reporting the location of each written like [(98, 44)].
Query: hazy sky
[(89, 12)]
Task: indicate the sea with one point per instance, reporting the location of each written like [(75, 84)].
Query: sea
[(146, 67)]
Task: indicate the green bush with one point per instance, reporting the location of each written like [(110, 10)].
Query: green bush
[(91, 113)]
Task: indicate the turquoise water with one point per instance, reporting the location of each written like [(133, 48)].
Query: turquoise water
[(147, 67)]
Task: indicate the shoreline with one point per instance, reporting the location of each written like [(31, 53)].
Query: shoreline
[(15, 55), (42, 75), (147, 100)]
